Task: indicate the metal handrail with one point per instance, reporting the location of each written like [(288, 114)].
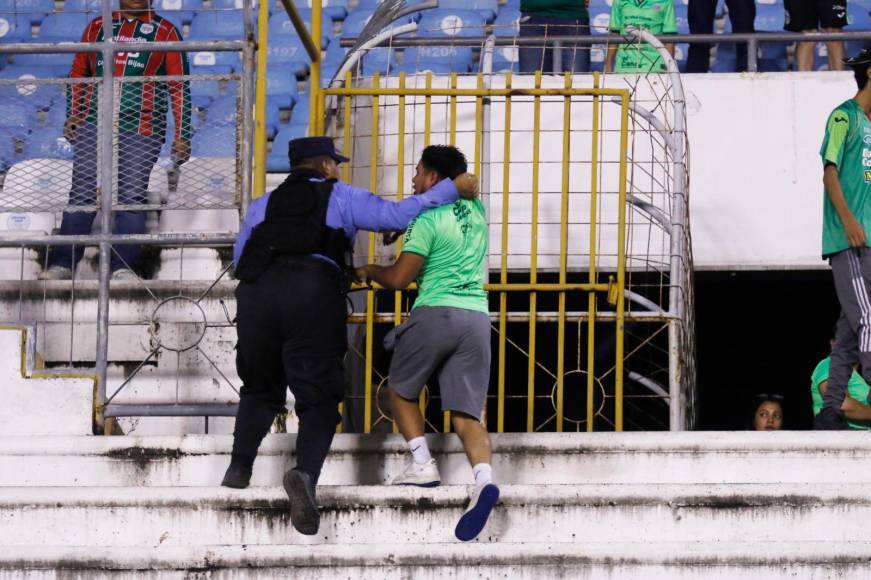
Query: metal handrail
[(751, 39)]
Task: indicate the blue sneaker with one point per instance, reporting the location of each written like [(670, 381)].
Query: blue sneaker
[(475, 518)]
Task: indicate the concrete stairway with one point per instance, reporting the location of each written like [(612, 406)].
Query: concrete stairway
[(635, 505)]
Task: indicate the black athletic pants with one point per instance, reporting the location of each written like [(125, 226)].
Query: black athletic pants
[(291, 326), (701, 13)]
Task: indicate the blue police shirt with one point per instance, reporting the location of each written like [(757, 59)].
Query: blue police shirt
[(351, 208)]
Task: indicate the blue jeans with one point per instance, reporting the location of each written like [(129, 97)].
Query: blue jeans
[(575, 58), (137, 155)]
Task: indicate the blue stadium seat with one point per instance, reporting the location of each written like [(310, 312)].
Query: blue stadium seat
[(281, 87), (772, 55), (17, 117), (299, 114), (486, 8), (724, 62), (335, 53), (176, 18), (382, 60), (600, 17), (273, 117), (90, 7), (224, 61), (355, 22), (47, 143), (280, 24), (223, 25), (438, 59), (450, 24), (7, 150), (505, 58), (63, 26), (56, 116), (277, 160), (204, 92), (222, 111), (58, 63), (366, 5), (681, 51), (507, 23), (214, 141), (857, 17), (34, 10), (289, 52), (769, 18), (14, 28), (39, 96), (182, 9), (681, 18)]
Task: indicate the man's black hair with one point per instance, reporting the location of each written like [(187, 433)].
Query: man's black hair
[(860, 65), (446, 160)]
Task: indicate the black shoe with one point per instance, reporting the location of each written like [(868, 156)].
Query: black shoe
[(237, 477), (829, 419), (303, 510)]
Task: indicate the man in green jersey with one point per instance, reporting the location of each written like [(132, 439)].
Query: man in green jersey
[(655, 16), (448, 332), (846, 156)]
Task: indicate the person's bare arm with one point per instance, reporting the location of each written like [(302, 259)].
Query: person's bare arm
[(609, 58), (853, 409), (395, 277), (852, 228)]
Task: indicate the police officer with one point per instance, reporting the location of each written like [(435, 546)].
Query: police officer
[(293, 262)]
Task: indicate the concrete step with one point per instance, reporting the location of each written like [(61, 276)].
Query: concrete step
[(566, 458), (578, 513), (425, 561)]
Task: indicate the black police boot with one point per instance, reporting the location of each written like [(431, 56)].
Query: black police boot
[(303, 509), (829, 419), (237, 476)]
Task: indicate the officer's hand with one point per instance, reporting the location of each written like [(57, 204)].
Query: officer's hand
[(361, 274), (72, 123), (181, 151), (855, 233), (467, 185)]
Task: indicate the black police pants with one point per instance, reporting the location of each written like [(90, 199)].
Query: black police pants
[(291, 327)]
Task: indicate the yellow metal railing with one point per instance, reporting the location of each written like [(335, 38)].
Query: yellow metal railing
[(390, 98)]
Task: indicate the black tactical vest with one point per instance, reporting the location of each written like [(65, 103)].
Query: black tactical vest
[(295, 225)]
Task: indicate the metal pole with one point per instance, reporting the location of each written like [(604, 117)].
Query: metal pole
[(259, 186), (248, 64), (676, 381), (752, 55), (105, 128)]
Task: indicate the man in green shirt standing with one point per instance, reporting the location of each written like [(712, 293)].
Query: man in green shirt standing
[(448, 332), (654, 16), (846, 156), (554, 18)]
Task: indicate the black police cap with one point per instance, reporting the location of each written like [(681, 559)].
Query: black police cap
[(305, 147), (861, 59)]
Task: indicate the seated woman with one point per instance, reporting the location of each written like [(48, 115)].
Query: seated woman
[(768, 412)]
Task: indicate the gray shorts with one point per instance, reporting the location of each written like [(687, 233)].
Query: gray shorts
[(453, 342)]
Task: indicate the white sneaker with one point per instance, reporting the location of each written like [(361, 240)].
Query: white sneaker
[(56, 273), (124, 274), (419, 474)]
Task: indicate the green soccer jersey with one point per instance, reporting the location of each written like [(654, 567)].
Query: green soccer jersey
[(453, 240), (568, 9), (847, 145), (655, 16), (856, 388)]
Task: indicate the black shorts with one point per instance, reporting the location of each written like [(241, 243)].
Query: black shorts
[(804, 15)]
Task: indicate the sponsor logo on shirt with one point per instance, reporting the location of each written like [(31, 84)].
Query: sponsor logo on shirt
[(147, 28), (866, 157), (867, 176)]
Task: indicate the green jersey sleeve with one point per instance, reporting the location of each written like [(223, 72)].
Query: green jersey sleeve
[(616, 24), (837, 129), (669, 22), (420, 235)]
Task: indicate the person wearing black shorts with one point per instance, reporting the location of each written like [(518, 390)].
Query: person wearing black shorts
[(816, 16)]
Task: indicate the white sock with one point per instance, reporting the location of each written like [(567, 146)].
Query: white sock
[(419, 450), (483, 474)]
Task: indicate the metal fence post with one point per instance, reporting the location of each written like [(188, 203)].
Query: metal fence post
[(752, 54), (105, 125)]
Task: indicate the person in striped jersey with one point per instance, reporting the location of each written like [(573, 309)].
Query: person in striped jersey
[(140, 116)]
